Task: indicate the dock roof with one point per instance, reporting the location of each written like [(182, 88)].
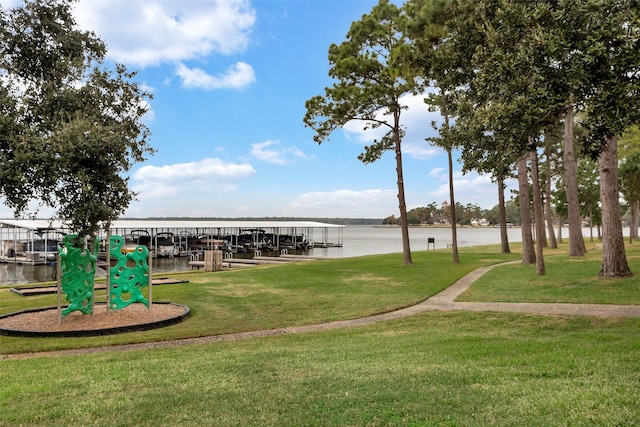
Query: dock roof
[(45, 224)]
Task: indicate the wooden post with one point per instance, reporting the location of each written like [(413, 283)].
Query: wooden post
[(212, 260), (208, 261)]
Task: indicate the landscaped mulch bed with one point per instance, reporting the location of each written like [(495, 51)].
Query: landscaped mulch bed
[(136, 317)]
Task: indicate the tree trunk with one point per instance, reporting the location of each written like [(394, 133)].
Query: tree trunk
[(537, 213), (454, 219), (633, 226), (502, 212), (553, 244), (454, 223), (614, 258), (402, 204), (560, 221), (591, 224), (576, 240), (528, 255)]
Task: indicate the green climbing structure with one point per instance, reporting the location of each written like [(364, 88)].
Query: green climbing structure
[(128, 275), (78, 267)]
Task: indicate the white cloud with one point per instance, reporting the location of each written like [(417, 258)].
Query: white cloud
[(471, 188), (273, 152), (205, 175), (439, 173), (34, 207), (238, 76), (417, 122), (10, 4), (345, 203), (150, 115), (150, 32)]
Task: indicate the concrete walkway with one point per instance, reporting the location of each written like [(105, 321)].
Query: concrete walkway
[(443, 301)]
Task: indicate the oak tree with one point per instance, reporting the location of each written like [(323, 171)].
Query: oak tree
[(70, 122)]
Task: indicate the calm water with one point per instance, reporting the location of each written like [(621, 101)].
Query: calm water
[(357, 241), (368, 240)]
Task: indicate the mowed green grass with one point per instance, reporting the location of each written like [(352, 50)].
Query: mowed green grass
[(467, 369), (567, 280), (435, 369), (271, 297)]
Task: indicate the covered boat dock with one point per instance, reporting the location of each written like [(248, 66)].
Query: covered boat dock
[(35, 241)]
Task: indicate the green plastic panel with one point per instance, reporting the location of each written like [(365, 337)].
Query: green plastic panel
[(78, 269), (129, 275)]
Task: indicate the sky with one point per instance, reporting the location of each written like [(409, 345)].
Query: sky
[(229, 80)]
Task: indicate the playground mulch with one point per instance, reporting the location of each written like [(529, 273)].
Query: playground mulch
[(46, 322)]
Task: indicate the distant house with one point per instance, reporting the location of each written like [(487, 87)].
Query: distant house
[(482, 222)]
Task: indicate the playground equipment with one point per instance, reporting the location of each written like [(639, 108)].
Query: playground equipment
[(127, 275), (78, 268)]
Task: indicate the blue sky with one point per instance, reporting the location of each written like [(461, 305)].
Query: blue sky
[(229, 80)]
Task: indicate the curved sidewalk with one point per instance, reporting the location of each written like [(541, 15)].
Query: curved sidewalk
[(443, 301)]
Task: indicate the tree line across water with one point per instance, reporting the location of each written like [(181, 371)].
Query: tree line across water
[(473, 215)]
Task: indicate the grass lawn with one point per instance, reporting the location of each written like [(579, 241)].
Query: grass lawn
[(276, 296), (438, 368), (567, 280)]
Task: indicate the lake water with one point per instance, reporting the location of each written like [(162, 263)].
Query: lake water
[(357, 240), (369, 240)]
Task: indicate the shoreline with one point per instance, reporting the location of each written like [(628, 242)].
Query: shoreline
[(442, 226)]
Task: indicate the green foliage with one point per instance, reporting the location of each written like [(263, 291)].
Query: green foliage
[(420, 216), (589, 189), (369, 82), (433, 214), (510, 68), (71, 125), (505, 100), (391, 220), (512, 210)]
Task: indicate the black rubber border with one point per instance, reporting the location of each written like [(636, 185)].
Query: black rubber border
[(46, 289), (93, 332)]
